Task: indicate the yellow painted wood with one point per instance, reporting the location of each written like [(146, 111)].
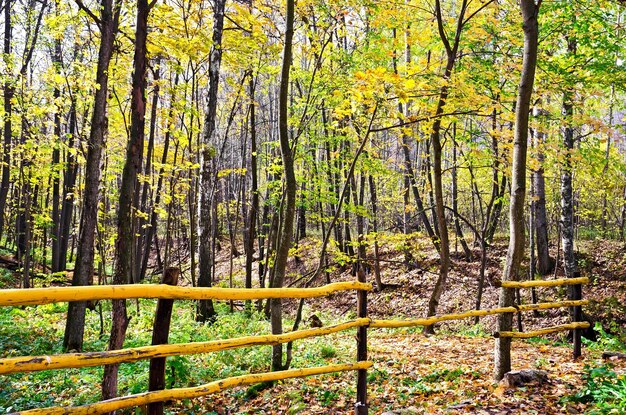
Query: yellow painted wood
[(543, 283), (541, 332), (193, 392), (76, 360), (35, 296), (474, 313)]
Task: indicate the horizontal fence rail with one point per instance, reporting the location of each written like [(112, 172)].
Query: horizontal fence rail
[(39, 296), (541, 283), (192, 392), (78, 360), (474, 313), (541, 332)]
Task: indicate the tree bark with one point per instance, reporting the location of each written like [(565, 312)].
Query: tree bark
[(56, 156), (69, 182), (374, 199), (250, 234), (75, 326), (9, 91), (151, 234), (545, 264), (567, 203), (288, 210), (160, 335), (515, 253), (142, 222), (205, 310), (442, 226), (125, 234), (455, 200)]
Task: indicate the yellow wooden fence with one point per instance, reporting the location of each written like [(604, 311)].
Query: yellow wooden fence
[(37, 296)]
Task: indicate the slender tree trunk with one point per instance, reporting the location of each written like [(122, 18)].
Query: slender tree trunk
[(27, 231), (374, 199), (288, 210), (455, 198), (132, 166), (250, 234), (567, 202), (567, 193), (444, 252), (9, 91), (410, 173), (151, 234), (605, 169), (142, 222), (205, 310), (301, 227), (69, 182), (74, 329), (56, 156), (545, 264), (515, 252)]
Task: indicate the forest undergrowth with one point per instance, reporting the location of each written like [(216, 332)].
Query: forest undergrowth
[(449, 373)]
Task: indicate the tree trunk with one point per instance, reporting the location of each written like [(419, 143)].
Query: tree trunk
[(373, 198), (132, 166), (250, 233), (409, 172), (605, 169), (545, 264), (151, 234), (205, 310), (515, 252), (444, 252), (75, 326), (142, 222), (56, 156), (9, 91), (69, 182), (455, 198), (288, 210), (567, 194)]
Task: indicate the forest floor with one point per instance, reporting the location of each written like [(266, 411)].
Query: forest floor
[(449, 373)]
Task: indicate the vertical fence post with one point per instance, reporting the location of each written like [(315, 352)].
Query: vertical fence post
[(160, 334), (361, 353), (577, 316)]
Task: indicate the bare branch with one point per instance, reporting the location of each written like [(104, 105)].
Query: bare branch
[(84, 8)]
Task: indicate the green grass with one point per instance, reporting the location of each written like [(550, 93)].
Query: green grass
[(604, 388), (606, 341), (32, 331)]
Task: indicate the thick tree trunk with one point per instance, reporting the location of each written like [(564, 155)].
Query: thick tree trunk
[(75, 326), (515, 252), (205, 310), (132, 166), (288, 210)]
